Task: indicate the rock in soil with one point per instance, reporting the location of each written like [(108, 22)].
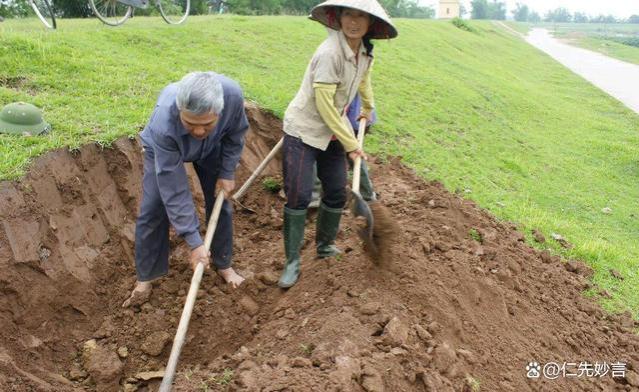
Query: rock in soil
[(103, 366), (395, 332), (154, 343), (146, 376), (538, 236)]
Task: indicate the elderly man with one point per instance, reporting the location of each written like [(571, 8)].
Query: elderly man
[(201, 119)]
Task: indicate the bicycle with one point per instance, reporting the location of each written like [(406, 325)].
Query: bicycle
[(44, 12), (116, 12)]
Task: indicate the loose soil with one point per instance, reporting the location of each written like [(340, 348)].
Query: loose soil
[(462, 304)]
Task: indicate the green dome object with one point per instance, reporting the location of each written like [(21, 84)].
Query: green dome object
[(22, 118)]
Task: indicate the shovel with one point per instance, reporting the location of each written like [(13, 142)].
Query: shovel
[(180, 335), (359, 206), (238, 195)]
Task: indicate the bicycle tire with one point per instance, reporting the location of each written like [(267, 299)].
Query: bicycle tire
[(111, 12), (44, 12), (173, 11)]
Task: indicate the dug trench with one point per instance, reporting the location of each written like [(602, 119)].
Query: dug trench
[(463, 304)]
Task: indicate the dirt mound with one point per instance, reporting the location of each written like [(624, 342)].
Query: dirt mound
[(463, 303)]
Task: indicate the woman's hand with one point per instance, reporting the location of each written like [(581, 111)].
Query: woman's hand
[(357, 153), (366, 116)]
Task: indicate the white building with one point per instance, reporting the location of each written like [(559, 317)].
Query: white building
[(448, 9)]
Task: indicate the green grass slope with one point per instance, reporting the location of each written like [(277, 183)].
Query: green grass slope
[(483, 112)]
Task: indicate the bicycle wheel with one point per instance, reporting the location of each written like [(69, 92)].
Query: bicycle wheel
[(174, 11), (110, 12), (44, 12)]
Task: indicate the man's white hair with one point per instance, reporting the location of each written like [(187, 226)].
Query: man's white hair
[(200, 93)]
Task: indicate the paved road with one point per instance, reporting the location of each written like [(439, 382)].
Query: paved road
[(616, 77)]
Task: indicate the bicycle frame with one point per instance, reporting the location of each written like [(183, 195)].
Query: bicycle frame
[(46, 14), (144, 4), (116, 12)]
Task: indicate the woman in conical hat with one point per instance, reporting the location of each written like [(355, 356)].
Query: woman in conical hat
[(316, 127)]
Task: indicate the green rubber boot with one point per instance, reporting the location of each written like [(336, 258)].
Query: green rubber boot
[(327, 227), (365, 185), (294, 221)]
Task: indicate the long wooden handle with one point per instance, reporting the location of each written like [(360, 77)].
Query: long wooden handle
[(180, 335), (357, 165), (258, 170)]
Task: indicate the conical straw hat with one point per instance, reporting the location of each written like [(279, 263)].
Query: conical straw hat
[(382, 27)]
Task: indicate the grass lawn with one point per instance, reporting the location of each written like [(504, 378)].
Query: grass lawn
[(593, 28), (609, 48), (522, 27), (600, 38), (483, 112)]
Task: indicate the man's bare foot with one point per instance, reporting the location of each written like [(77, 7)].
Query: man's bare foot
[(231, 277), (140, 294)]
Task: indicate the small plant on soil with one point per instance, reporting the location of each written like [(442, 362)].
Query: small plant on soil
[(103, 144), (472, 384), (204, 385), (307, 349), (226, 377), (474, 234), (271, 184), (382, 158)]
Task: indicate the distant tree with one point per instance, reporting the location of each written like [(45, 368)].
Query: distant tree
[(255, 7), (558, 15), (633, 19), (497, 10), (391, 6), (199, 7), (580, 17), (482, 9), (13, 8), (302, 7), (462, 10), (402, 8), (420, 12), (479, 9), (5, 11), (521, 12), (72, 8), (534, 17), (407, 9), (604, 19)]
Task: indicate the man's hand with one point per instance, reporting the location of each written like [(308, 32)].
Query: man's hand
[(357, 153), (200, 255), (226, 185)]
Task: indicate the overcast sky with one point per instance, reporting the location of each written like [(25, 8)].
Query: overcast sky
[(618, 8)]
